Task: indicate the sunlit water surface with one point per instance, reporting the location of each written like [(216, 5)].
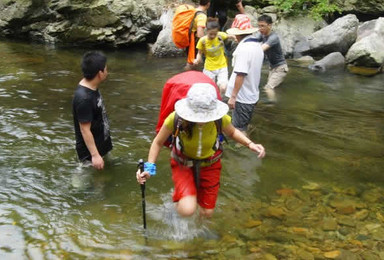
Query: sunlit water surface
[(324, 130)]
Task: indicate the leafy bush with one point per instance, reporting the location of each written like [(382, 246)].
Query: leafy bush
[(316, 8)]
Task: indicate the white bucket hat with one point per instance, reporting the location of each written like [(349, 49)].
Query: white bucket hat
[(201, 104), (241, 25)]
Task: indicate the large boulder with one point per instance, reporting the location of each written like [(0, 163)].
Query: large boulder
[(368, 50), (93, 22), (164, 46), (369, 7), (336, 37), (12, 13), (334, 60), (293, 32)]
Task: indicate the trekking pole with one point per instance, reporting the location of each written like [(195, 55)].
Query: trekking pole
[(142, 186)]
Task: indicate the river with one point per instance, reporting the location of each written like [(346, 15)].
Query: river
[(317, 192)]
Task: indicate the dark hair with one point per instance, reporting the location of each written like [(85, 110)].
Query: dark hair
[(204, 2), (187, 127), (92, 63), (265, 18), (213, 23)]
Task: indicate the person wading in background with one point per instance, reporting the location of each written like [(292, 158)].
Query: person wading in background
[(271, 46), (243, 85), (93, 138)]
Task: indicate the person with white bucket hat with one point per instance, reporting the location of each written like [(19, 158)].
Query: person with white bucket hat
[(197, 125), (243, 85)]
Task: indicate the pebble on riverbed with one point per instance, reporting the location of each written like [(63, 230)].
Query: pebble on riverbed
[(316, 222)]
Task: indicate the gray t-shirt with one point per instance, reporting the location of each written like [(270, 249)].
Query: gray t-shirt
[(274, 53)]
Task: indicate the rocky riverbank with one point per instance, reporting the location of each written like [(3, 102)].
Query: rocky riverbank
[(101, 22), (117, 24), (355, 44)]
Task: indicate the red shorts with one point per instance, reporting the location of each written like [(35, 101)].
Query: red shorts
[(183, 179)]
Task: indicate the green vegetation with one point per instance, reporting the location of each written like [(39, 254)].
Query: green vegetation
[(316, 8)]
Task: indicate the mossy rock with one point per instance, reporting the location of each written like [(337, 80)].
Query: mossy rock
[(364, 71)]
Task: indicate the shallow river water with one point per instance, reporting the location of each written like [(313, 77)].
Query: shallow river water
[(317, 194)]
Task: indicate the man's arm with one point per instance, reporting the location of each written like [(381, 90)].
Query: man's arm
[(272, 40), (199, 58), (201, 22), (200, 32), (265, 46), (238, 83), (97, 160), (240, 7)]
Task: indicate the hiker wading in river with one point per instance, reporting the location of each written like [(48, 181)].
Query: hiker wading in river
[(197, 126)]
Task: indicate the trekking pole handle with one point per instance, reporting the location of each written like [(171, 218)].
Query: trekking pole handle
[(140, 165)]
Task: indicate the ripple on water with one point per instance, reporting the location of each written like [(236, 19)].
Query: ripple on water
[(7, 78), (12, 242), (171, 226)]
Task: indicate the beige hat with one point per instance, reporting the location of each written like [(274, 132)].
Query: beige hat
[(241, 25), (201, 104)]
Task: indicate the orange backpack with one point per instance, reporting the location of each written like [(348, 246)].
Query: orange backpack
[(182, 24)]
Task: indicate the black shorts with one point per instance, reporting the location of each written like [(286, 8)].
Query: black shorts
[(242, 115)]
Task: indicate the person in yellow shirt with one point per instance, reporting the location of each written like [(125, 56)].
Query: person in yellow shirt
[(212, 46), (195, 162)]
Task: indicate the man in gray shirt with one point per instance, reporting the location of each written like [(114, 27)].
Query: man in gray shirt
[(272, 48)]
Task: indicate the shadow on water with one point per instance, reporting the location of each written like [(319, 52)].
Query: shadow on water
[(319, 189)]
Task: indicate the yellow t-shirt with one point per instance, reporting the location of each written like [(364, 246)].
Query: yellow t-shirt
[(214, 51), (200, 21), (200, 146)]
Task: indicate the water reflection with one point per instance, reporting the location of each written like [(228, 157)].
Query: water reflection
[(324, 138)]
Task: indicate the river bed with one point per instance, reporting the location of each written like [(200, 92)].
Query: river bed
[(318, 194)]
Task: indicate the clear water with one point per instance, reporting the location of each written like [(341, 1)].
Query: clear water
[(326, 129)]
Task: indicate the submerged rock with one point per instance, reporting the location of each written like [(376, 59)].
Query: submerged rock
[(332, 254), (253, 223), (366, 255), (329, 224), (346, 221), (312, 186), (361, 215), (233, 253), (275, 212), (305, 60), (373, 195), (364, 71)]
